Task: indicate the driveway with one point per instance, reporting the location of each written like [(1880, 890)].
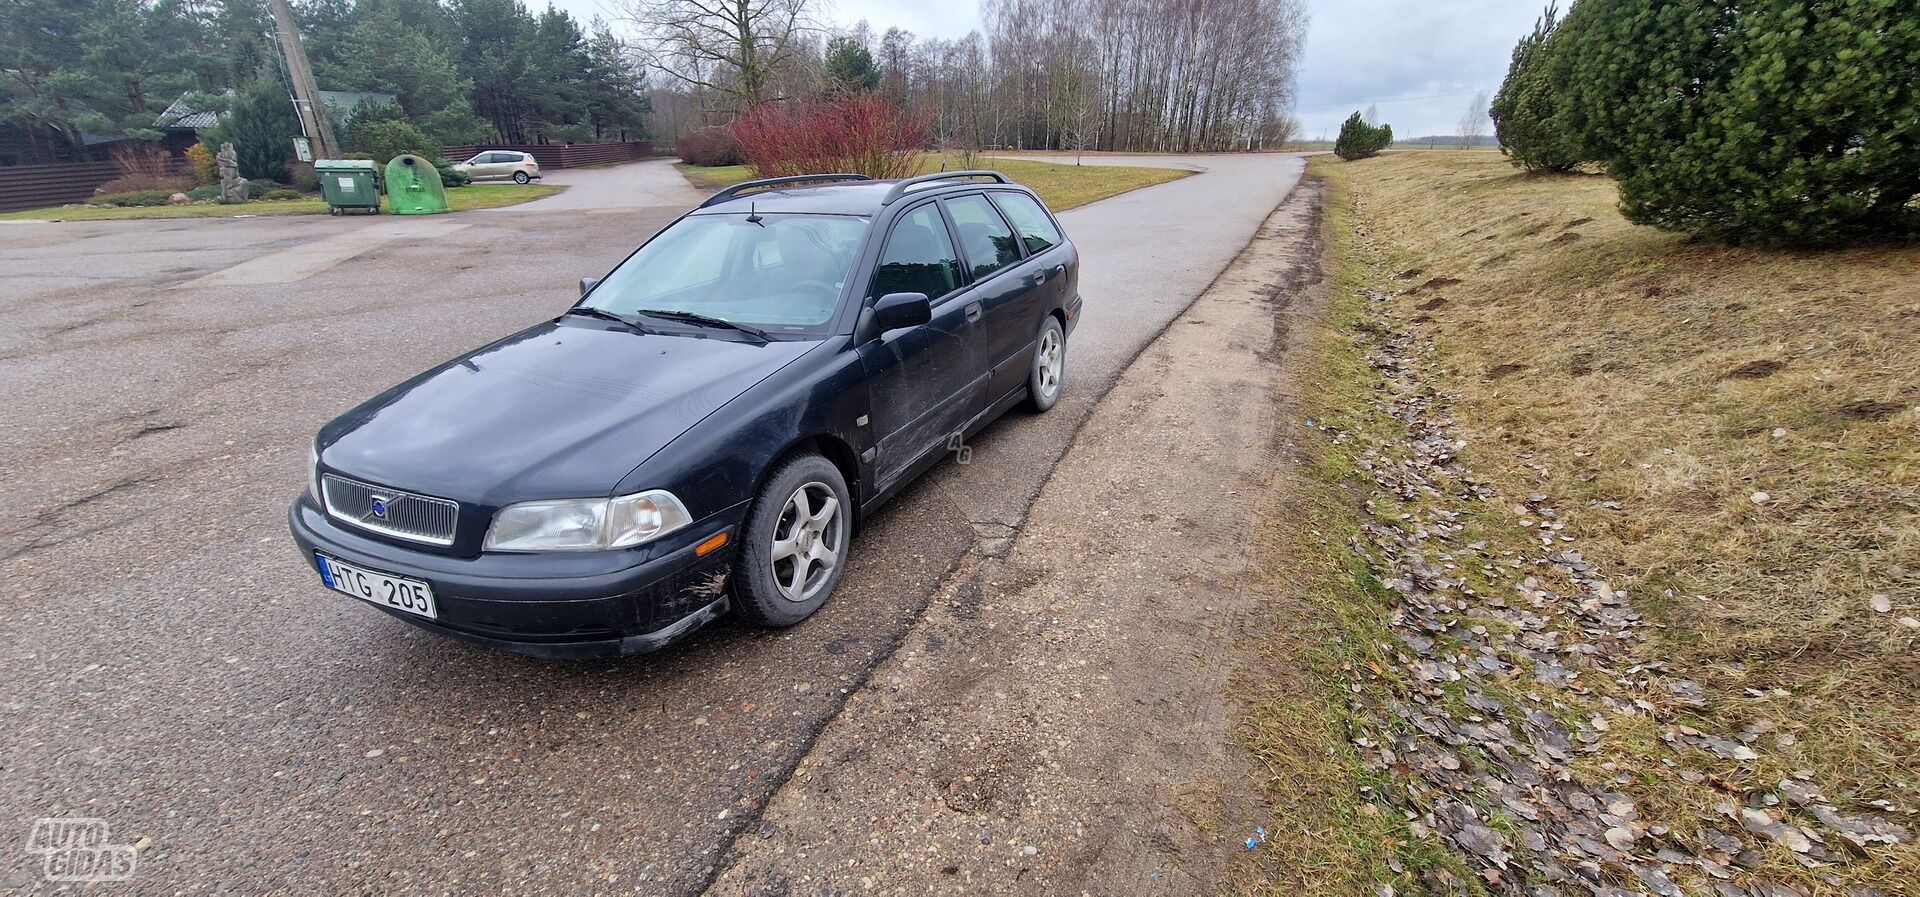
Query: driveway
[(173, 667), (635, 185)]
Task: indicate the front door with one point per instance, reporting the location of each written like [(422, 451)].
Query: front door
[(1011, 290), (924, 382)]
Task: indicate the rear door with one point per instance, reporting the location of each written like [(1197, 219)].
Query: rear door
[(994, 257), (924, 382)]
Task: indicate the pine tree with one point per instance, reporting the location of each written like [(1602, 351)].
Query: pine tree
[(616, 95), (849, 66), (1769, 121), (1358, 140), (1528, 113), (261, 128)]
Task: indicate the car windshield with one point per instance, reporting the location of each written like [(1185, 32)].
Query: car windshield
[(774, 271)]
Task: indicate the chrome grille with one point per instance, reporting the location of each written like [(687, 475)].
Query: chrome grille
[(421, 518)]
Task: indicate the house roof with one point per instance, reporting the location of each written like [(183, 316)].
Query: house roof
[(181, 116)]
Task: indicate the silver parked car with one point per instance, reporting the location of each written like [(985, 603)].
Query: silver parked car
[(502, 164)]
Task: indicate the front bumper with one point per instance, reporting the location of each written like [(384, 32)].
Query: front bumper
[(554, 605)]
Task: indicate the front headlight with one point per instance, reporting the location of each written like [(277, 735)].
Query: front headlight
[(586, 524)]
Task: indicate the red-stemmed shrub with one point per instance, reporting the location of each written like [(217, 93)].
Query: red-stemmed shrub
[(709, 147), (857, 133)]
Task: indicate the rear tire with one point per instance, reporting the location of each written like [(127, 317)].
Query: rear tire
[(1049, 366), (794, 544), (520, 177)]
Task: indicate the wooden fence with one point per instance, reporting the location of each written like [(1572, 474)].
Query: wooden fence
[(560, 155), (36, 186)]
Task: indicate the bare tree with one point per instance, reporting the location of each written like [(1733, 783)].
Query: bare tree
[(1473, 125), (1043, 74), (736, 49)]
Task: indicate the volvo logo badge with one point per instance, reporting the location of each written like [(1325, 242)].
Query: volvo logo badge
[(377, 506)]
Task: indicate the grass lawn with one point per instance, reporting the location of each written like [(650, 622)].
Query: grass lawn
[(462, 199), (1062, 186), (1732, 435), (716, 177)]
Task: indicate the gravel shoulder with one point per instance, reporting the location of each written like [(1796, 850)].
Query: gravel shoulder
[(1060, 719)]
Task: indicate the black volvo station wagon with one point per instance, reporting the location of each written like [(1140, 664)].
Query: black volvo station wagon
[(706, 428)]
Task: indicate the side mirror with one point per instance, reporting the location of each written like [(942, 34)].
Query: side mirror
[(587, 284), (897, 310)]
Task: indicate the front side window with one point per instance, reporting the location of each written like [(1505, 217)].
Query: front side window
[(1035, 227), (779, 272), (919, 257), (983, 234)]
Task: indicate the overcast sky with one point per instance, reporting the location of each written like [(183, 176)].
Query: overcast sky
[(1420, 61)]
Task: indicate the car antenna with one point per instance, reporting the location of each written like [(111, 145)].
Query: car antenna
[(753, 214)]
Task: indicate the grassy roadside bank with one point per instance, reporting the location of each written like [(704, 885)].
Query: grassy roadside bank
[(1728, 438), (1062, 186), (461, 199)]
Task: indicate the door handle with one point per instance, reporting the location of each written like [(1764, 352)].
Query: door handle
[(973, 311)]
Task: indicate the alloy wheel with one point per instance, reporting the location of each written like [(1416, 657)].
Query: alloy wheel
[(1050, 358), (806, 541)]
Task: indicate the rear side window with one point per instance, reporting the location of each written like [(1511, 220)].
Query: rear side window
[(919, 257), (984, 235), (1035, 227)]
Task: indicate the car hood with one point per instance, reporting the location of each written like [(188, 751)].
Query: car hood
[(560, 410)]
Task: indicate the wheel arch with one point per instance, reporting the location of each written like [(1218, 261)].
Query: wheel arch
[(836, 451)]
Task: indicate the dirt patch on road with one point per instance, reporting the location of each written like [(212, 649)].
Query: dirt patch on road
[(1060, 720)]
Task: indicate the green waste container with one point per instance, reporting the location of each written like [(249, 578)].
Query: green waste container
[(349, 184), (413, 187)]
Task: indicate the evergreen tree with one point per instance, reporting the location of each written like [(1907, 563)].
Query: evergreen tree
[(558, 93), (616, 88), (1753, 120), (1528, 113), (496, 56), (44, 70), (1358, 140), (387, 55), (261, 128), (849, 66)]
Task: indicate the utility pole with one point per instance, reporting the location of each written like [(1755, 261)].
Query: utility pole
[(306, 94)]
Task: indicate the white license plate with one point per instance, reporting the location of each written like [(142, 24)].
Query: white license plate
[(406, 595)]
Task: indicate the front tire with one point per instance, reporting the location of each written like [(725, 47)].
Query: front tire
[(520, 177), (794, 543), (1049, 366)]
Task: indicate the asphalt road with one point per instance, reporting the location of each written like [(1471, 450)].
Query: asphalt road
[(173, 667)]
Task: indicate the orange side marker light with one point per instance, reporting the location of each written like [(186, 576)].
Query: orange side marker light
[(712, 544)]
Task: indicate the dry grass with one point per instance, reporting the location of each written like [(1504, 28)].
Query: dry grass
[(1062, 186), (1332, 834), (1653, 386)]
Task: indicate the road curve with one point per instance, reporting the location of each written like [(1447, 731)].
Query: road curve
[(172, 667)]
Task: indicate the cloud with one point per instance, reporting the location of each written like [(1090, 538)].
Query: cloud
[(1419, 62)]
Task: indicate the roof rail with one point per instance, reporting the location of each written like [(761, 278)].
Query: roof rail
[(900, 188), (770, 183)]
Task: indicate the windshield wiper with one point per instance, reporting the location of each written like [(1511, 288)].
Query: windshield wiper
[(694, 317), (590, 311)]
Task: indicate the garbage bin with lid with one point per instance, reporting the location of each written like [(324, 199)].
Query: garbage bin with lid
[(349, 184), (413, 187)]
